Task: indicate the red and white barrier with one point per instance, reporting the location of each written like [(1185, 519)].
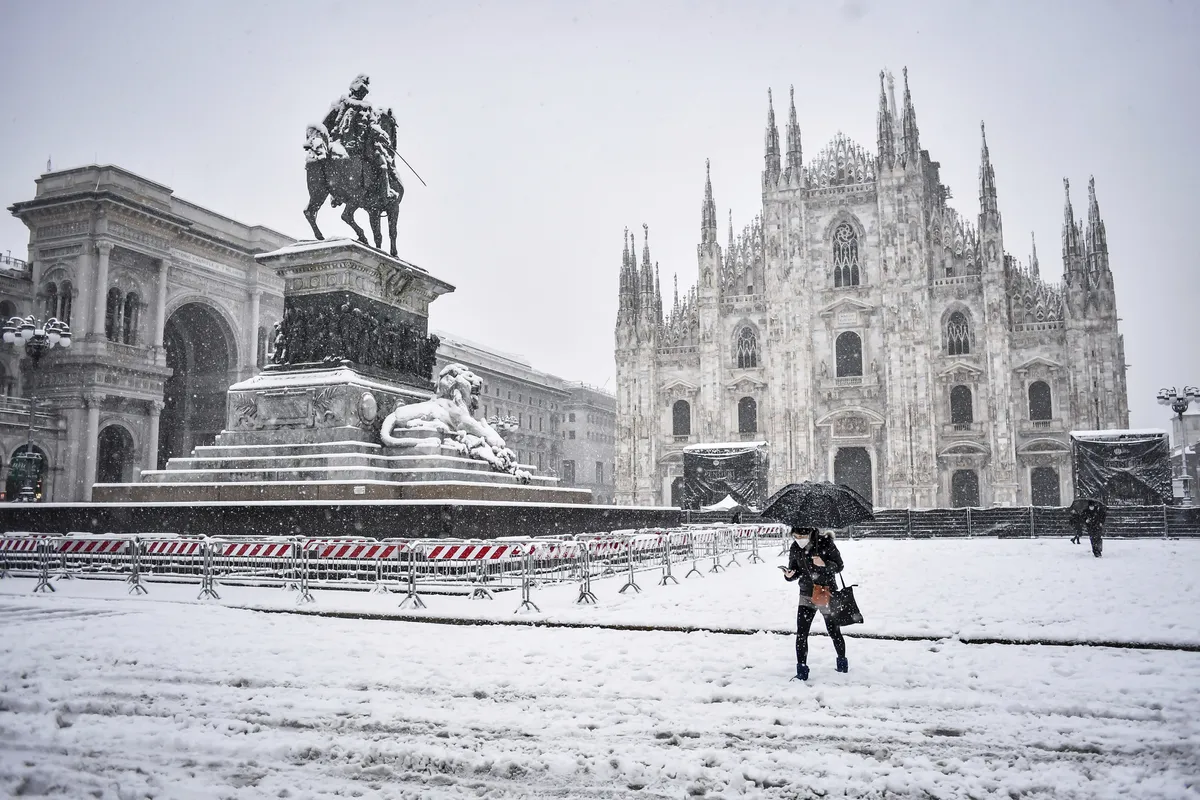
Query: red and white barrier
[(22, 545), (465, 551), (174, 547), (93, 547), (253, 549), (366, 549)]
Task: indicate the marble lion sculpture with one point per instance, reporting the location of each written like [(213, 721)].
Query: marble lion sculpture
[(450, 413)]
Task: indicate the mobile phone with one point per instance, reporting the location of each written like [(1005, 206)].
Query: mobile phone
[(785, 569)]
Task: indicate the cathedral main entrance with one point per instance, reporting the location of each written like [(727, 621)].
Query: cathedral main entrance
[(852, 467), (201, 352)]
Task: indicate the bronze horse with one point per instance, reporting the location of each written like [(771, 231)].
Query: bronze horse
[(355, 182)]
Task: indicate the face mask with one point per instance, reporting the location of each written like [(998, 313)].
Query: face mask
[(801, 540)]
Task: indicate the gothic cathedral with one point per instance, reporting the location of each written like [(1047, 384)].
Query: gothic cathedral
[(871, 336)]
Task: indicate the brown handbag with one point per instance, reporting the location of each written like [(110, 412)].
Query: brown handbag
[(820, 595)]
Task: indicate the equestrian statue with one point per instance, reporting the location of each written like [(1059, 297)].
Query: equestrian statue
[(351, 156)]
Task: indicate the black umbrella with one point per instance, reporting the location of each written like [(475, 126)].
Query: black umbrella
[(819, 504), (1085, 507)]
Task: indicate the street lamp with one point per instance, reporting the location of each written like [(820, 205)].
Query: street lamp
[(34, 339), (1179, 402)]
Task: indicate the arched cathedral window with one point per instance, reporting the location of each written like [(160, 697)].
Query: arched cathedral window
[(845, 256), (52, 300), (64, 302), (681, 418), (747, 349), (848, 355), (1040, 407), (747, 415), (958, 335), (961, 413)]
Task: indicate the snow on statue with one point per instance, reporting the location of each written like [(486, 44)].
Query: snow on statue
[(450, 415)]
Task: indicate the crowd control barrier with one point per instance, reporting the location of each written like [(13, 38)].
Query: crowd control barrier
[(414, 567)]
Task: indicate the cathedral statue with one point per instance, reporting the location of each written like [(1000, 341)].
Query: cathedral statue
[(351, 156)]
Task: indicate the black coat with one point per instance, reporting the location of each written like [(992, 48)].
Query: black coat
[(808, 573)]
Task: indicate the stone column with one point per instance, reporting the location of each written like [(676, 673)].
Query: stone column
[(252, 334), (155, 412), (91, 443), (160, 308), (101, 289)]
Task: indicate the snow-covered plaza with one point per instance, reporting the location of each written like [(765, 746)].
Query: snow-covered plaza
[(110, 696)]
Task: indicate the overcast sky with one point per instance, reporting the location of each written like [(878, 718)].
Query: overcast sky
[(544, 129)]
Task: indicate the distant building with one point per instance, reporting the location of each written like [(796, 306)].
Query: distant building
[(871, 335), (168, 308), (590, 433), (524, 404)]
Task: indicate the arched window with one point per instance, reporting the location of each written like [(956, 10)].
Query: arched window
[(64, 302), (747, 349), (960, 407), (1040, 407), (681, 418), (7, 310), (112, 315), (1043, 487), (964, 488), (747, 415), (845, 256), (51, 300), (958, 335), (848, 352), (6, 382), (129, 318)]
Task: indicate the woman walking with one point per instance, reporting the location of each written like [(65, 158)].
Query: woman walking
[(813, 561)]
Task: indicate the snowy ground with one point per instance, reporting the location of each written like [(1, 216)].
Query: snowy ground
[(103, 695)]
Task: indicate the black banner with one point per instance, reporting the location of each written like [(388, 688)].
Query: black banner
[(1123, 469), (711, 473)]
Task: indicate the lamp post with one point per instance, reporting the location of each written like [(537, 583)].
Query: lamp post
[(34, 339), (1179, 402)]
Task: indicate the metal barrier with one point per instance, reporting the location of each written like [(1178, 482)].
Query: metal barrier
[(300, 564)]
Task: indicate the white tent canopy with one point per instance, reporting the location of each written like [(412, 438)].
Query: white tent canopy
[(727, 503)]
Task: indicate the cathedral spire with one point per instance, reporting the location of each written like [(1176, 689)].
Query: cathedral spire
[(772, 141), (1034, 270), (795, 156), (886, 127), (676, 305), (657, 295), (1096, 239), (708, 211), (1070, 237), (988, 205), (911, 138)]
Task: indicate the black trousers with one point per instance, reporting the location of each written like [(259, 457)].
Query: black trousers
[(804, 618)]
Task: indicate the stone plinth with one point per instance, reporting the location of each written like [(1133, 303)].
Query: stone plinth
[(353, 346)]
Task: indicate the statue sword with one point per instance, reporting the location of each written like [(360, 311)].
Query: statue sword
[(410, 167)]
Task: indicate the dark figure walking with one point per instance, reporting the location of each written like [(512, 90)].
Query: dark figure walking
[(1094, 523), (1089, 515), (813, 561)]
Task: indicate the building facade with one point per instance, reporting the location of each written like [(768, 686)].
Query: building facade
[(523, 404), (871, 334), (168, 308), (589, 441)]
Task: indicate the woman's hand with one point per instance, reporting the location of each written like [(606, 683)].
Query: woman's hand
[(789, 573), (818, 561)]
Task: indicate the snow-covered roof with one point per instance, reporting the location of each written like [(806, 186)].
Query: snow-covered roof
[(1117, 433), (725, 446)]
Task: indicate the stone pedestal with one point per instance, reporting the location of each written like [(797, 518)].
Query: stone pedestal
[(353, 345)]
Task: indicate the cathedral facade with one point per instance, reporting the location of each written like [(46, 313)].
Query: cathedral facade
[(871, 335)]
